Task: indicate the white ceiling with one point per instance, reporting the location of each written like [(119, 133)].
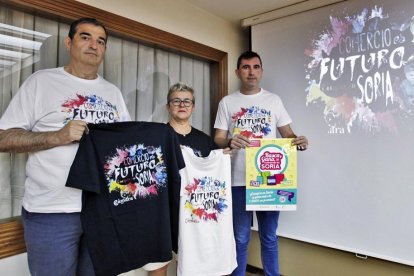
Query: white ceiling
[(236, 10)]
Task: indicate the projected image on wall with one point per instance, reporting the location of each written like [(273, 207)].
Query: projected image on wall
[(360, 71), (345, 75)]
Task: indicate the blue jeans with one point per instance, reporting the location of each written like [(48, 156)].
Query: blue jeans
[(242, 221), (55, 244)]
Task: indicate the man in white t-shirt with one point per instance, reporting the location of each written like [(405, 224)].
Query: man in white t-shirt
[(249, 113), (47, 118)]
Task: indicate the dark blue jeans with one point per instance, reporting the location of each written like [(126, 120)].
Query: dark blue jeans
[(55, 245), (267, 221)]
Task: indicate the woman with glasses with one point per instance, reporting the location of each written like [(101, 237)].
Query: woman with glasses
[(206, 243), (180, 106)]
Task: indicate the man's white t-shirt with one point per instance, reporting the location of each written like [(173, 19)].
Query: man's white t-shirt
[(254, 116), (206, 245), (47, 101)]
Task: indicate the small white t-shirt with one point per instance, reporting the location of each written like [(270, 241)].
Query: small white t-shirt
[(206, 245), (47, 101), (254, 116)]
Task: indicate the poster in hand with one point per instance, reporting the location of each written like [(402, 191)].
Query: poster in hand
[(271, 175)]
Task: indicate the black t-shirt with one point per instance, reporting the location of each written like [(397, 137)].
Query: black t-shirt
[(129, 174), (200, 142)]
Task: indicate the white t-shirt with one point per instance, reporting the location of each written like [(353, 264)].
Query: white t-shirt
[(254, 116), (206, 244), (47, 101)]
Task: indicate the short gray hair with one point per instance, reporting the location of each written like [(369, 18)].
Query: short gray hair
[(180, 87)]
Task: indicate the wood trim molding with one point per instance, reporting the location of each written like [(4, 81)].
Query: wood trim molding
[(69, 10), (11, 231), (218, 82), (11, 237)]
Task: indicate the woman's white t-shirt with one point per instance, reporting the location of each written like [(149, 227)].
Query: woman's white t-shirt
[(206, 244)]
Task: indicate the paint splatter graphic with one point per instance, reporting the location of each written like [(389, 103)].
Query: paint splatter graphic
[(252, 122), (91, 109), (205, 199), (136, 171), (356, 69)]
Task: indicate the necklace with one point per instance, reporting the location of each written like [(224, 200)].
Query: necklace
[(186, 132), (183, 130)]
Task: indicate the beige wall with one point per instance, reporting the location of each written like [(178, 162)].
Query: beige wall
[(304, 259), (183, 19)]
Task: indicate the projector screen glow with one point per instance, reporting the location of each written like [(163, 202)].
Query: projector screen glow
[(345, 73)]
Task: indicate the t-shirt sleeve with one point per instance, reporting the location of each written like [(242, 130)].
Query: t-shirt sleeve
[(282, 115), (84, 173), (222, 120), (213, 145), (20, 113)]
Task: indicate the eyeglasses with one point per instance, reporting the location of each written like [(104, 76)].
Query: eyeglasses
[(177, 102)]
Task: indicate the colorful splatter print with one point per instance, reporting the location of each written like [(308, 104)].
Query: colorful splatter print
[(91, 109), (136, 171), (356, 69), (205, 199), (252, 122)]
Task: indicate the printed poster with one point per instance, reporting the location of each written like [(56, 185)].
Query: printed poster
[(271, 175)]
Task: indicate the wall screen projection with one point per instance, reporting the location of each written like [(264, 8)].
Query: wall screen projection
[(345, 73)]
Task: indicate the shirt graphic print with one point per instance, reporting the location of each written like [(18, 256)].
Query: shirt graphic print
[(205, 199), (92, 109), (252, 122), (136, 171)]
